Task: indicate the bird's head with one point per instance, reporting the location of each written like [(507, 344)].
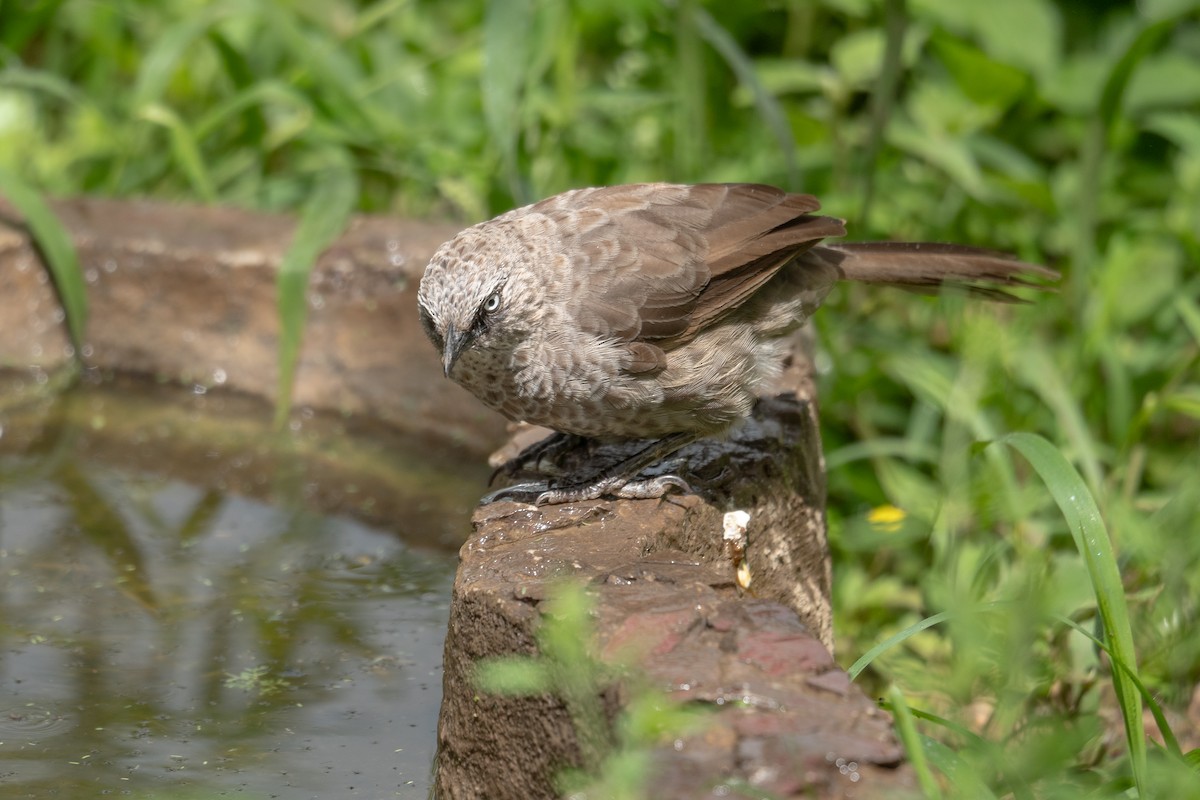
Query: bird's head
[(475, 296)]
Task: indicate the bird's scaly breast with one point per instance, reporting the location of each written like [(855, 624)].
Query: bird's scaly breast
[(493, 378)]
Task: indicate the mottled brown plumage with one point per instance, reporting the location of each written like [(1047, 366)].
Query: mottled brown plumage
[(655, 310)]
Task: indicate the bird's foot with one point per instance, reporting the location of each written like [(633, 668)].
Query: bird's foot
[(619, 481), (620, 488), (541, 493)]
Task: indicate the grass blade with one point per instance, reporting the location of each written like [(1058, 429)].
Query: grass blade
[(507, 41), (170, 49), (741, 65), (57, 250), (238, 69), (991, 751), (1037, 372), (690, 103), (961, 775), (1170, 743), (324, 217), (906, 731), (185, 148), (1091, 538), (1190, 314), (895, 26), (887, 644)]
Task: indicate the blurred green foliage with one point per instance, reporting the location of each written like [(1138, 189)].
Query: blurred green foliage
[(615, 755), (1067, 132)]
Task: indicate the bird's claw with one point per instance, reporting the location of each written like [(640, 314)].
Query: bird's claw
[(519, 493), (651, 488)]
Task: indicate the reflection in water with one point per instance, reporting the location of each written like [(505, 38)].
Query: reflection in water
[(162, 639)]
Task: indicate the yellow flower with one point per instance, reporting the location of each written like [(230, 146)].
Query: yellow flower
[(887, 518)]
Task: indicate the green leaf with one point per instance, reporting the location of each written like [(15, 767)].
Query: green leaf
[(1129, 291), (1024, 33), (1166, 80), (1160, 718), (887, 644), (240, 73), (858, 57), (1181, 127), (1189, 314), (1185, 401), (984, 80), (324, 217), (185, 149), (1145, 44), (854, 8), (57, 249), (507, 52), (781, 76), (42, 81), (158, 64), (906, 731), (1155, 9), (1091, 540), (1075, 87), (947, 153), (960, 773)]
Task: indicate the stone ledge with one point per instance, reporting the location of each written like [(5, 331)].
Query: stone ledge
[(669, 590)]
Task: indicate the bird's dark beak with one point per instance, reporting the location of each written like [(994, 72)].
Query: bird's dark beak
[(455, 342)]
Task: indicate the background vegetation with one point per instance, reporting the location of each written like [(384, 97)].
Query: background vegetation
[(1068, 132)]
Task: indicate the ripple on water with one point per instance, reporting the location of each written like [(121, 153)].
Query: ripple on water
[(32, 722)]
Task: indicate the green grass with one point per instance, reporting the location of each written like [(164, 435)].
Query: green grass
[(57, 251), (1067, 132)]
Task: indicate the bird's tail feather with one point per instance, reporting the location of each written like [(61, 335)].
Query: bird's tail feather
[(928, 267)]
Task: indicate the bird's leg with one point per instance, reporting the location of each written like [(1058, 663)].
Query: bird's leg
[(617, 480), (530, 459)]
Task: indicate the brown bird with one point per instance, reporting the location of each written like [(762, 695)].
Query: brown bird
[(654, 311)]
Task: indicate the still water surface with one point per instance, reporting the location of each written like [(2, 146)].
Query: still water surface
[(173, 637)]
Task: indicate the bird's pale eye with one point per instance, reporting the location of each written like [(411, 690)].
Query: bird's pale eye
[(492, 303)]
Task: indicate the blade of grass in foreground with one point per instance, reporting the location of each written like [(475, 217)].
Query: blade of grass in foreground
[(1091, 538), (906, 731), (1170, 742), (57, 250), (324, 217), (866, 658), (962, 776)]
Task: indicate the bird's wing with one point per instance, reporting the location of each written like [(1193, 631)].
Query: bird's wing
[(658, 263)]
